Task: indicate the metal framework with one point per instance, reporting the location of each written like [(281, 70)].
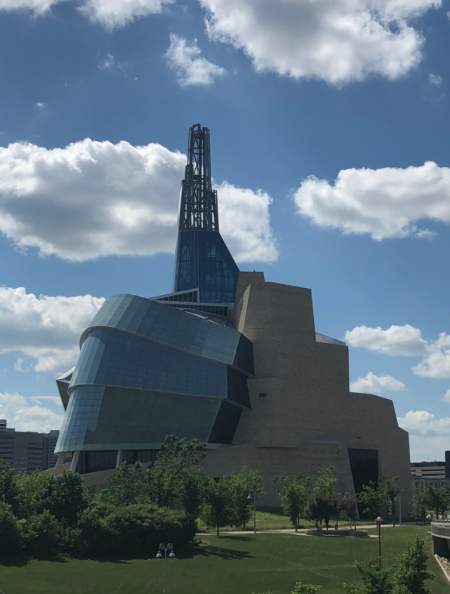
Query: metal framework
[(198, 209)]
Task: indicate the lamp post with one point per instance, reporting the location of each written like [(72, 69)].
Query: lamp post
[(163, 547), (252, 495), (399, 510), (346, 498), (378, 523)]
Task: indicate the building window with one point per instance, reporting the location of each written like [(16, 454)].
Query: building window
[(263, 394)]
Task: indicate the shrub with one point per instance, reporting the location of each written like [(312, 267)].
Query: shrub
[(40, 535), (10, 534)]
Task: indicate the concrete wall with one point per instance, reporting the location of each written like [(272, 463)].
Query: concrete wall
[(308, 418)]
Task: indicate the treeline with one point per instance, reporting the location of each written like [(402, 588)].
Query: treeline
[(43, 515)]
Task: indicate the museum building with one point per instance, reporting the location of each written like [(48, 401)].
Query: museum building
[(226, 358)]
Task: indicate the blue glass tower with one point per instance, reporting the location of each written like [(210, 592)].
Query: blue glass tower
[(203, 261)]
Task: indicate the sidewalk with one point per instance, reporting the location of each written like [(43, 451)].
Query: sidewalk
[(301, 530)]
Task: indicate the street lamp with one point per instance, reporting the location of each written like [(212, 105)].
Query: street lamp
[(346, 498), (159, 555), (252, 495), (378, 523), (399, 510)]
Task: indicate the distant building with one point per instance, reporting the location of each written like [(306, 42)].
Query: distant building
[(430, 474), (27, 451)]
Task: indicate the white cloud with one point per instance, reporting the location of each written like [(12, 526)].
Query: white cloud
[(94, 199), (46, 329), (446, 397), (108, 13), (436, 363), (338, 41), (118, 13), (383, 203), (20, 415), (373, 384), (184, 58), (105, 62), (40, 106), (405, 340), (424, 423), (435, 79)]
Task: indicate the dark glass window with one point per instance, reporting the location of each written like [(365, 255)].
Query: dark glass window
[(204, 261), (237, 388), (364, 467)]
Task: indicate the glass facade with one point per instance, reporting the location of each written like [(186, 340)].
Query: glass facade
[(204, 262), (147, 370)]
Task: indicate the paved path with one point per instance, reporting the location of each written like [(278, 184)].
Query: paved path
[(300, 530)]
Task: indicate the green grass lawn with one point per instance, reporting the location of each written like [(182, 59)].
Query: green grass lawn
[(232, 564)]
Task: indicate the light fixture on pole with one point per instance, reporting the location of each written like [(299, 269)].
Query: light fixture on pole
[(399, 510), (252, 495), (378, 523), (159, 555)]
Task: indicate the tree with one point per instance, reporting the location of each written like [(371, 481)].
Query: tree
[(375, 580), (125, 484), (9, 488), (10, 535), (293, 493), (419, 504), (350, 508), (161, 482), (192, 491), (390, 488), (326, 481), (438, 500), (412, 570), (242, 484), (371, 499), (218, 510), (70, 498)]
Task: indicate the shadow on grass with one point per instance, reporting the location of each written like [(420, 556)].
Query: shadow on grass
[(22, 560), (211, 550)]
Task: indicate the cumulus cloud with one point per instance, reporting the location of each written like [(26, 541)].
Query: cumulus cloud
[(23, 415), (338, 41), (108, 13), (45, 329), (94, 199), (377, 384), (40, 106), (383, 203), (424, 423), (446, 397), (184, 58), (405, 340), (436, 363)]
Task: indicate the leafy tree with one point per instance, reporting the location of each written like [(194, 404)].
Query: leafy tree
[(40, 534), (438, 500), (10, 535), (390, 488), (419, 504), (293, 493), (9, 489), (70, 498), (192, 491), (218, 510), (375, 580), (125, 484), (350, 508), (371, 498), (242, 484), (161, 482), (412, 570), (326, 481)]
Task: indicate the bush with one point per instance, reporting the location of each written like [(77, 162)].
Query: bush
[(40, 535), (10, 534), (134, 530)]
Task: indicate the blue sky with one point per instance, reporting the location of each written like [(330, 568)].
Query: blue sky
[(322, 116)]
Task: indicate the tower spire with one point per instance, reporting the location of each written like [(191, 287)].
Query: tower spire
[(203, 261), (198, 210)]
